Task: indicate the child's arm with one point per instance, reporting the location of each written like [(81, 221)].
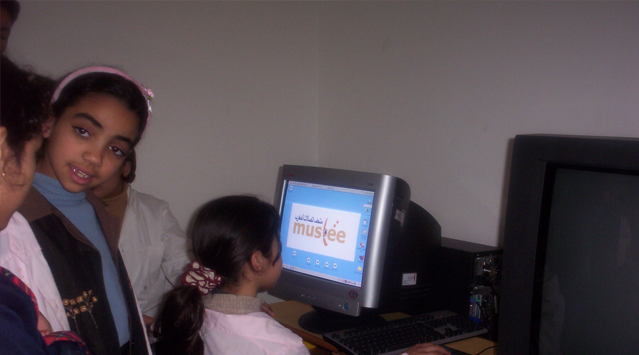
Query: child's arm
[(266, 308), (44, 327), (176, 256), (428, 348), (148, 321)]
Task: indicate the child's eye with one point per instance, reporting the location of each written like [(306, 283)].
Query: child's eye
[(81, 131), (117, 151)]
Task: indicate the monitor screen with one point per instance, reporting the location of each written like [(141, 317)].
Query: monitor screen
[(350, 245), (590, 284), (570, 276), (325, 229)]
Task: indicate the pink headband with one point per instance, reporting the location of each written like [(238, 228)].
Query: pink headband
[(146, 93)]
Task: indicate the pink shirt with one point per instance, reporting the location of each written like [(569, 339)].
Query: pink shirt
[(253, 333)]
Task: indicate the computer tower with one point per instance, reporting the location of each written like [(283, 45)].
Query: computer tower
[(415, 261), (469, 280)]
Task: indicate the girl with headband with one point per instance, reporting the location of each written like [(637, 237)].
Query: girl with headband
[(98, 115)]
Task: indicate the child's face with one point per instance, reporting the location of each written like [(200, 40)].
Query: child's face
[(113, 186), (87, 144), (17, 180), (5, 30)]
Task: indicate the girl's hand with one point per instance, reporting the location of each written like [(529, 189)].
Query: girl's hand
[(266, 308), (44, 327), (428, 348), (148, 322)]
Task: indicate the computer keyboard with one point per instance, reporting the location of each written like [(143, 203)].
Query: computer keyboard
[(394, 337)]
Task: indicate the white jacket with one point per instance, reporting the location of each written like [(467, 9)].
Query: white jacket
[(154, 248), (21, 254)]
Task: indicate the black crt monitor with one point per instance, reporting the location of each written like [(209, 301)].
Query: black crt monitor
[(350, 247), (570, 276)]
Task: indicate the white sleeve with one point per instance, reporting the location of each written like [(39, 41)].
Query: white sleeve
[(21, 254), (302, 350), (176, 248)]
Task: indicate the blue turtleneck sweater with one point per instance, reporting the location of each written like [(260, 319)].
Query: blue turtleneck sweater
[(80, 212)]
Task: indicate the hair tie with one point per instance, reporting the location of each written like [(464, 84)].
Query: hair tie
[(146, 93), (201, 277)]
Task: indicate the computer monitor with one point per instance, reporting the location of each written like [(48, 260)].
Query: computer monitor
[(570, 275), (353, 244)]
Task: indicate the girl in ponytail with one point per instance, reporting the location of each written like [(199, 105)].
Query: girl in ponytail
[(238, 237)]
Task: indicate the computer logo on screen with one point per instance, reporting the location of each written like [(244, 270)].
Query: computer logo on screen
[(322, 230)]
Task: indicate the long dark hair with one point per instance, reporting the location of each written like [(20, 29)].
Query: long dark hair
[(225, 233), (178, 325)]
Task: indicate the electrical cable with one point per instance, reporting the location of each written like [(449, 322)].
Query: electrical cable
[(488, 348)]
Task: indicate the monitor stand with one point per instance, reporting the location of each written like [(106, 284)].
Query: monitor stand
[(320, 321)]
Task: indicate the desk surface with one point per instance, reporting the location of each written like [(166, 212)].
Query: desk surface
[(288, 313)]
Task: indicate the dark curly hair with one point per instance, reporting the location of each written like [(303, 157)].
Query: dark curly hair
[(24, 105), (12, 7)]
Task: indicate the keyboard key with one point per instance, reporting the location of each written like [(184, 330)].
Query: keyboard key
[(393, 337)]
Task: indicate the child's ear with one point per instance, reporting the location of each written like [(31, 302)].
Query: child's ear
[(258, 262), (47, 126), (3, 135), (126, 169), (3, 147)]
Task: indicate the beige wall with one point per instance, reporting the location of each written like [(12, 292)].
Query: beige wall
[(431, 92)]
